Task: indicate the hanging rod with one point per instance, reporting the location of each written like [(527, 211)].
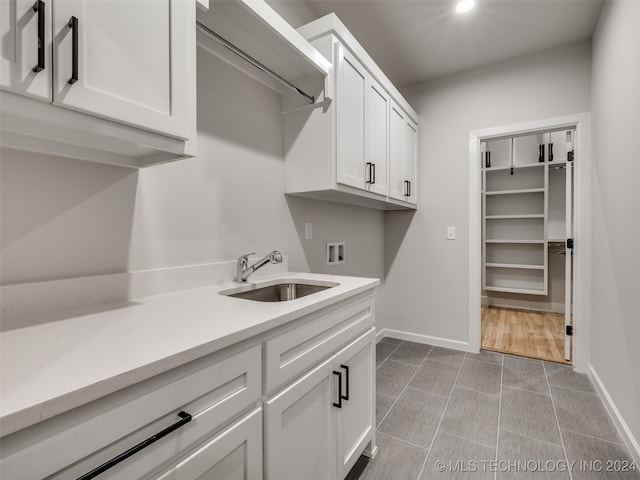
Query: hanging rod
[(230, 46)]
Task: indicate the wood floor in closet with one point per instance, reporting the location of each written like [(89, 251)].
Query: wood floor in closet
[(523, 332)]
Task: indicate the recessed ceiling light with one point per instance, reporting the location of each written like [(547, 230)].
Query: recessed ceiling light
[(465, 6)]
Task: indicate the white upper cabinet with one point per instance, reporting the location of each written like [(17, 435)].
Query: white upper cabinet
[(352, 91), (124, 61), (409, 161), (377, 138), (347, 148), (403, 156), (77, 75), (25, 56)]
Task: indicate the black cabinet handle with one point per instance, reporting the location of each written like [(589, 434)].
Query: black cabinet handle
[(185, 418), (339, 404), (541, 154), (551, 152), (73, 24), (369, 173), (373, 172), (346, 371), (39, 7), (407, 188), (487, 159)]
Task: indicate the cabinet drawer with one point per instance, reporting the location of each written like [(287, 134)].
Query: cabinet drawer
[(213, 390), (318, 335), (235, 453)]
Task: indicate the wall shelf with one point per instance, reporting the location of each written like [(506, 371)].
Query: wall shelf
[(256, 29), (515, 265), (511, 192), (514, 217), (539, 242)]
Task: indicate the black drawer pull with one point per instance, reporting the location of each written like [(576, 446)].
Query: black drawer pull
[(369, 172), (39, 7), (73, 25), (346, 371), (551, 152), (339, 404), (185, 418)]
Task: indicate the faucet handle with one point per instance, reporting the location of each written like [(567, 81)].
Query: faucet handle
[(245, 256)]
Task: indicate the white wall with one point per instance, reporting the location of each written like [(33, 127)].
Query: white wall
[(426, 286), (65, 218), (616, 203), (295, 12)]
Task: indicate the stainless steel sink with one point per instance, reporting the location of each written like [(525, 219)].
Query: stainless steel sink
[(279, 292)]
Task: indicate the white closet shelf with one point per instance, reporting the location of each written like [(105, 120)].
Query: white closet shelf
[(509, 217), (261, 33), (515, 266), (537, 242), (515, 167), (515, 290), (511, 192)]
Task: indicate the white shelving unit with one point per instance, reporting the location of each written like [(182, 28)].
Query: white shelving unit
[(515, 210), (524, 187)]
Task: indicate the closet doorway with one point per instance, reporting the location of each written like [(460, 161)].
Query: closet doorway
[(527, 236)]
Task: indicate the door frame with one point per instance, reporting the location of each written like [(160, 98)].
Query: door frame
[(582, 266)]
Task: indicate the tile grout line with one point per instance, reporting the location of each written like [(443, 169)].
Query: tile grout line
[(435, 434), (596, 438), (528, 391), (403, 441), (534, 439), (469, 440), (495, 474), (555, 413), (403, 390), (388, 356)]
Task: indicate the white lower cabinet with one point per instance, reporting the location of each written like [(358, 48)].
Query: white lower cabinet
[(215, 419), (356, 417), (234, 454), (213, 391), (298, 428), (317, 427)]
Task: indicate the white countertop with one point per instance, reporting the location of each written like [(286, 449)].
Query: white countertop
[(68, 360)]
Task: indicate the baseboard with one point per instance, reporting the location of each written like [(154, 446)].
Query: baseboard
[(426, 339), (625, 432)]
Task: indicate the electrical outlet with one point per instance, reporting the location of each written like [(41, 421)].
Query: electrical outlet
[(335, 253), (308, 231), (451, 233)]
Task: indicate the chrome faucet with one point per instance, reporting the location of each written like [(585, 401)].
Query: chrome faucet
[(244, 271)]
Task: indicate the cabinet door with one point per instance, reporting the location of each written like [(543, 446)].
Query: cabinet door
[(25, 58), (396, 153), (560, 143), (350, 128), (355, 420), (234, 454), (377, 138), (403, 140), (134, 61), (299, 428), (410, 161)]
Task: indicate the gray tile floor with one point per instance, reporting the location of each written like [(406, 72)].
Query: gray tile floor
[(444, 414)]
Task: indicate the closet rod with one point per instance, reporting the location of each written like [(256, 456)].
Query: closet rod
[(225, 43)]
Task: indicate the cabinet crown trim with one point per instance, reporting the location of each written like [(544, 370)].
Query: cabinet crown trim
[(331, 24)]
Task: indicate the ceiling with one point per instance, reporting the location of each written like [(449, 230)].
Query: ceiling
[(413, 41)]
